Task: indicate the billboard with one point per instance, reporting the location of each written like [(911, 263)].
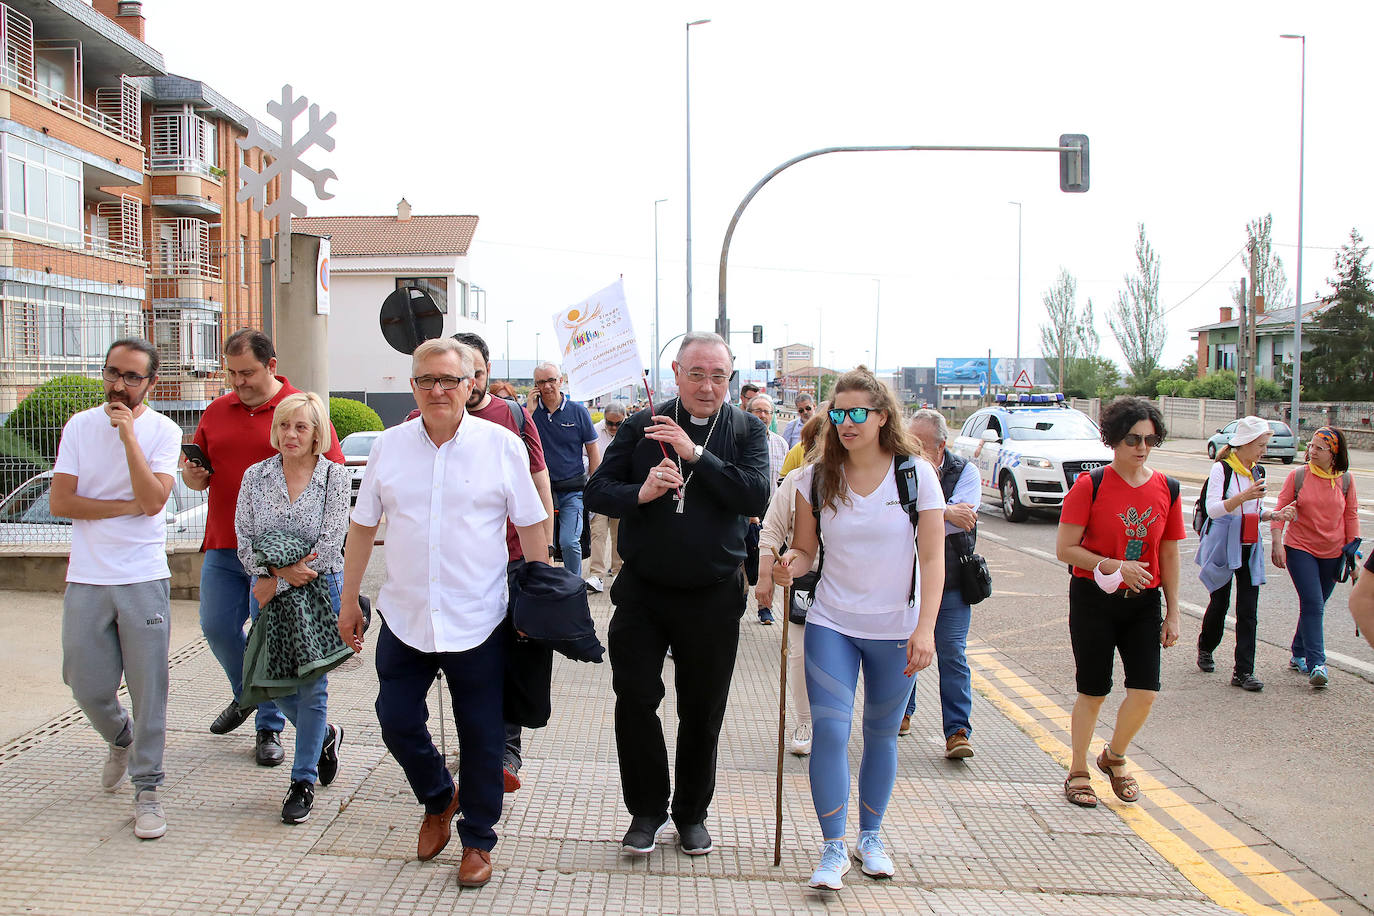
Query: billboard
[(1005, 372)]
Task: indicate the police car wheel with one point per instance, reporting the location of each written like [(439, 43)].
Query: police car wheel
[(1012, 510)]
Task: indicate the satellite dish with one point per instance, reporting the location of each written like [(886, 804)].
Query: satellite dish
[(410, 317)]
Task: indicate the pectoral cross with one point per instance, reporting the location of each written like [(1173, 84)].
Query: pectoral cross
[(681, 498)]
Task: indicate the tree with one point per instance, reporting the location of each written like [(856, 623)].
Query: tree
[(1060, 336), (350, 416), (1340, 364), (1091, 377), (1137, 322), (1273, 282)]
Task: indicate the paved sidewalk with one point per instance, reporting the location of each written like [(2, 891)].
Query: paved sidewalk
[(990, 835)]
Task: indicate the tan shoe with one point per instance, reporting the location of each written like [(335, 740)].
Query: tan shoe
[(905, 728), (957, 746), (436, 829), (475, 869)]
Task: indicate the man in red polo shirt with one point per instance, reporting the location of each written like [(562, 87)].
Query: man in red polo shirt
[(233, 434)]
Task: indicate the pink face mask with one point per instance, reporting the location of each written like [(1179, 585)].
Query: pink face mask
[(1108, 584)]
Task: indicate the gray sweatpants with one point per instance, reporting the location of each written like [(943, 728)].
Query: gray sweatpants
[(114, 630)]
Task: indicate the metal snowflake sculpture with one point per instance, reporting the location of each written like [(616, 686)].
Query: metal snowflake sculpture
[(286, 158)]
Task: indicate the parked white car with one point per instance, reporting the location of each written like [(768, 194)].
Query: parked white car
[(26, 520), (357, 447), (1029, 454)]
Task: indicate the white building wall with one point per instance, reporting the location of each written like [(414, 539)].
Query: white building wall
[(360, 359)]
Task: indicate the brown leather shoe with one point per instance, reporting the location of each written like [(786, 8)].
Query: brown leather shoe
[(436, 829), (475, 869), (957, 746)]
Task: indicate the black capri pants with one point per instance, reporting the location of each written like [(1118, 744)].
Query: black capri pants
[(1101, 625)]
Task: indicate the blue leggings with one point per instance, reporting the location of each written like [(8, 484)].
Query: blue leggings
[(832, 675), (1314, 578)]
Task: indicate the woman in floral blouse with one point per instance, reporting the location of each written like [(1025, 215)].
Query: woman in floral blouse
[(299, 493)]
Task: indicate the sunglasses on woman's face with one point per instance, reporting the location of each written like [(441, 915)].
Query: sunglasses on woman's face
[(857, 414), (1134, 439)]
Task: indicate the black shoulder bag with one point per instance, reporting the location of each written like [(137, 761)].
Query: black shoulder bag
[(364, 602)]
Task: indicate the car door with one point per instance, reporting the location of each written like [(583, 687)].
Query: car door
[(985, 453)]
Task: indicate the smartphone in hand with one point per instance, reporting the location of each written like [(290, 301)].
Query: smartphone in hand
[(196, 456)]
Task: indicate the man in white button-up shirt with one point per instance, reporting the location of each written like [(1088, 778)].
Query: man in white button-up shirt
[(446, 483)]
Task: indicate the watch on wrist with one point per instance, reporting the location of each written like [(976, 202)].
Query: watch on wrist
[(697, 452)]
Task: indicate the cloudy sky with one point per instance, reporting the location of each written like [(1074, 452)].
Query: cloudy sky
[(559, 125)]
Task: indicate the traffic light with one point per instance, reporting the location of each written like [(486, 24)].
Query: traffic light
[(758, 333), (1073, 164)]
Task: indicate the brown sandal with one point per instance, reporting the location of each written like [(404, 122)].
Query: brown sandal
[(1125, 787), (1083, 796)]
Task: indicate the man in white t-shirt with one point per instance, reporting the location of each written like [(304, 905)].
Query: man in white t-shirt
[(112, 476), (446, 482)]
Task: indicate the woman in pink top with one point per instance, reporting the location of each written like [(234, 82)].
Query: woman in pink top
[(1314, 548)]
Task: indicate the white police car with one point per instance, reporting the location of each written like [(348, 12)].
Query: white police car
[(1029, 449)]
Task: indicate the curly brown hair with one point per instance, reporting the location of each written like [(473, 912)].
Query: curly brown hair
[(829, 454)]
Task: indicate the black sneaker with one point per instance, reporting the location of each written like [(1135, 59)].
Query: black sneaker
[(328, 767), (268, 752), (231, 718), (642, 836), (694, 839), (1205, 662), (295, 808), (1247, 682)]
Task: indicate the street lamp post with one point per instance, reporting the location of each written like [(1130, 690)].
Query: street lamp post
[(877, 306), (655, 350), (1018, 287), (689, 167), (1297, 304), (536, 348), (508, 324)]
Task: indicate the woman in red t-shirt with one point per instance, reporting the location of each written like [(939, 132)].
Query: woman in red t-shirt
[(1122, 544)]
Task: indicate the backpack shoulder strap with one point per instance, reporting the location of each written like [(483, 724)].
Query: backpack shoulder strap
[(517, 414), (1300, 478), (1173, 489), (904, 469), (1096, 474), (1345, 482), (816, 514)]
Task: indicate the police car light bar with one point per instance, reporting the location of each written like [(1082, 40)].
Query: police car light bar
[(1023, 398)]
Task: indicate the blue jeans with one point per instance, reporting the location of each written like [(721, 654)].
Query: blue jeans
[(956, 681), (225, 594), (832, 674), (1314, 578), (475, 682), (569, 506), (308, 708)]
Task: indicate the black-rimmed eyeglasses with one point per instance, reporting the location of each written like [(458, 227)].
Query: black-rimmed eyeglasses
[(445, 382), (111, 374)]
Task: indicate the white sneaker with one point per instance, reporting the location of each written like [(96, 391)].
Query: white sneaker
[(595, 584), (873, 857), (834, 866), (149, 820), (801, 740), (116, 765)]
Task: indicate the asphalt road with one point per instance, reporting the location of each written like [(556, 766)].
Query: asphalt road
[(1290, 761)]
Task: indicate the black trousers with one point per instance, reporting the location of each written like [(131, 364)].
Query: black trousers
[(1247, 616), (702, 628)]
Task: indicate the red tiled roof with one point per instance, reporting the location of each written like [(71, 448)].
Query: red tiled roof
[(359, 236)]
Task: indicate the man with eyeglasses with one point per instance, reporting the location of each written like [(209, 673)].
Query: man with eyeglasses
[(565, 428), (683, 484), (112, 477), (605, 560), (234, 434), (806, 406), (447, 483)]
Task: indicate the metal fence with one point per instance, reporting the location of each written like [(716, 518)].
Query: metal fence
[(61, 308)]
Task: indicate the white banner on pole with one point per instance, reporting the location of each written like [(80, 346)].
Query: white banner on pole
[(598, 346), (322, 279)]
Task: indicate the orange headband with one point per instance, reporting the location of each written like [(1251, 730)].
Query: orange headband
[(1328, 438)]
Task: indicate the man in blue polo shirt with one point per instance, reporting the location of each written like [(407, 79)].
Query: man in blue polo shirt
[(565, 428)]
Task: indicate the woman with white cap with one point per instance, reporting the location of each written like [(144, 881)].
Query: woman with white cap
[(1232, 546)]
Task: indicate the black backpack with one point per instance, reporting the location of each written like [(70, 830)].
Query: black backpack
[(1096, 476), (904, 467), (1202, 523)]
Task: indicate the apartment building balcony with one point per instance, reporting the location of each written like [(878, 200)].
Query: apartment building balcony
[(184, 144), (43, 86)]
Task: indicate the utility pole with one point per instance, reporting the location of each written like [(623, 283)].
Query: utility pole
[(1250, 335), (1241, 339)]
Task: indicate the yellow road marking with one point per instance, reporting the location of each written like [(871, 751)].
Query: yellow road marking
[(998, 682)]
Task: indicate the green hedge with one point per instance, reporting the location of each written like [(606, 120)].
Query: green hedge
[(39, 418), (350, 416)]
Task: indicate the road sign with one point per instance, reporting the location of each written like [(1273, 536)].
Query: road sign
[(1024, 381)]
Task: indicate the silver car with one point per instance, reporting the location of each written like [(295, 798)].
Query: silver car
[(1283, 445)]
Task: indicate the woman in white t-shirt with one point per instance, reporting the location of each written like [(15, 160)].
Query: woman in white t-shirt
[(865, 611)]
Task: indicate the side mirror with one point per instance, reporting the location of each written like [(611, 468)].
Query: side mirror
[(990, 435)]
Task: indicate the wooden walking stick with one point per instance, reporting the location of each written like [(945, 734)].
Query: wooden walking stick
[(782, 714)]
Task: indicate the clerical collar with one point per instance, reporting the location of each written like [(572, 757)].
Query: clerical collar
[(699, 421)]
